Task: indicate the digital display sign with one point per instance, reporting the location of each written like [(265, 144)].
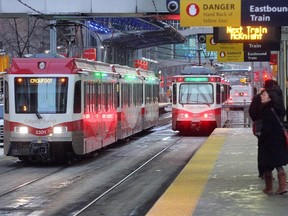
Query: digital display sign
[(40, 80), (196, 79), (243, 34)]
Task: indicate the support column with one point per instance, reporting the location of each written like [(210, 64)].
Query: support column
[(282, 69), (53, 38)]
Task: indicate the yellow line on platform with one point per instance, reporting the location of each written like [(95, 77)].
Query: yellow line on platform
[(184, 193)]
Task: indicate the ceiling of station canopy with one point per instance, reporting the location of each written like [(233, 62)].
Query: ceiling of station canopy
[(134, 33)]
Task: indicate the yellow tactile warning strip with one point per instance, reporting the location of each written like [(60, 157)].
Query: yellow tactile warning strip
[(183, 194)]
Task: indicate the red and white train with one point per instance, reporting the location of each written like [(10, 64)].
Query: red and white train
[(197, 98), (57, 108)]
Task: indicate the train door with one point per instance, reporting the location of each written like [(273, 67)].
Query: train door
[(92, 116), (109, 116), (174, 103)]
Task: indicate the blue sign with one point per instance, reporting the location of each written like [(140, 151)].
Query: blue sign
[(257, 56), (261, 46), (264, 12)]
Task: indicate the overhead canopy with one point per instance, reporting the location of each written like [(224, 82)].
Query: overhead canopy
[(134, 33)]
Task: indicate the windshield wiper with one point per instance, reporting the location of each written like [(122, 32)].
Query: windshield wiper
[(29, 103), (38, 115)]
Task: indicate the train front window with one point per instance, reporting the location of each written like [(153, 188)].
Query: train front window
[(196, 93), (41, 95)]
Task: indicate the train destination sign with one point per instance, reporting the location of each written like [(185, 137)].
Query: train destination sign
[(211, 45), (257, 56), (239, 34), (264, 12), (269, 46), (223, 13)]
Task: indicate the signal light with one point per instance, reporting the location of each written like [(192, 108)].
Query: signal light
[(19, 80), (62, 80), (179, 79), (214, 79)]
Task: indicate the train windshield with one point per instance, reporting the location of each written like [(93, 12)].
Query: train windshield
[(196, 93), (41, 95)]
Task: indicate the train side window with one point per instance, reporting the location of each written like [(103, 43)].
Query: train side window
[(155, 92), (174, 93), (6, 97), (123, 95), (106, 96), (130, 95), (116, 95), (134, 92), (77, 97), (218, 94), (142, 93), (148, 93), (98, 97), (126, 89)]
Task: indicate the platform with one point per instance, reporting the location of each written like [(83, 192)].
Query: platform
[(222, 179)]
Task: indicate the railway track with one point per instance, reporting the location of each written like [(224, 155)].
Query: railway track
[(27, 182), (124, 179), (139, 168), (125, 174)]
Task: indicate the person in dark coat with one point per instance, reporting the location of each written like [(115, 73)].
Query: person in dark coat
[(254, 113), (255, 107), (272, 153)]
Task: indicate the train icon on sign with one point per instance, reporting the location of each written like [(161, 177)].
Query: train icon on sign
[(192, 9)]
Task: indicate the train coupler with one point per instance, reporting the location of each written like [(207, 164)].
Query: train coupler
[(195, 126), (40, 148)]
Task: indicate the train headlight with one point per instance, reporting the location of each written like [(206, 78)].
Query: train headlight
[(183, 116), (209, 116), (59, 130), (21, 130)]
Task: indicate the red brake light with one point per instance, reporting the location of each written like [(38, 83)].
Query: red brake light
[(179, 79)]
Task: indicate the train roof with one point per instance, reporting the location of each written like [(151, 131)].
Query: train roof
[(198, 70), (41, 64), (227, 70)]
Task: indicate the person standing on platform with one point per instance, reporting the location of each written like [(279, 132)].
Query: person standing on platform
[(272, 152), (255, 107), (254, 113)]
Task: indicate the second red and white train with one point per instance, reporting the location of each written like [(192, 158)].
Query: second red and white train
[(198, 95)]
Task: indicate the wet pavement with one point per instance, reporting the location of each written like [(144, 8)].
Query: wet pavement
[(222, 180)]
